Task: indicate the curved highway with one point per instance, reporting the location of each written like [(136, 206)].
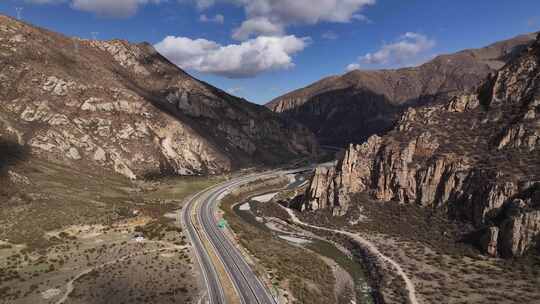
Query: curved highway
[(199, 220), (215, 292)]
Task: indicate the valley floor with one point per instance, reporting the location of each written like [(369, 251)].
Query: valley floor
[(78, 236), (81, 236), (300, 266), (432, 256)]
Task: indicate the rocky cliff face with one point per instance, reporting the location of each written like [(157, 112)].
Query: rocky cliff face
[(476, 156), (352, 107), (124, 107)]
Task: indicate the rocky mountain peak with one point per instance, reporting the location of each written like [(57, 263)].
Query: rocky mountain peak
[(123, 106)]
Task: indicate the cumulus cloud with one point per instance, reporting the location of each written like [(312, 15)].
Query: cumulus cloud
[(411, 48), (216, 19), (266, 17), (260, 25), (243, 60), (408, 47)]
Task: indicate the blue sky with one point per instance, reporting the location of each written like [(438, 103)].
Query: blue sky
[(260, 49)]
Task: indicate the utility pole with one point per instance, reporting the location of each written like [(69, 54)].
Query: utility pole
[(19, 12)]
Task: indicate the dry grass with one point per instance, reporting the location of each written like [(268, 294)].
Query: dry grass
[(59, 196), (305, 275), (64, 220), (433, 252)]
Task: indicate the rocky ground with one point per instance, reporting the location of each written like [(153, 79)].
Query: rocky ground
[(99, 264), (429, 249)]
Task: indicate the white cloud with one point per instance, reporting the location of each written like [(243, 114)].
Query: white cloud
[(220, 19), (406, 50), (260, 25), (266, 17), (243, 60), (352, 67)]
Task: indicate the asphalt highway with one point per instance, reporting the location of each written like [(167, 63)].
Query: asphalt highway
[(199, 220), (215, 292)]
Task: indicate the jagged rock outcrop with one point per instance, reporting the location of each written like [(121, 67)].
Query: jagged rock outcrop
[(322, 190), (358, 104), (124, 107), (519, 229), (330, 186), (477, 157)]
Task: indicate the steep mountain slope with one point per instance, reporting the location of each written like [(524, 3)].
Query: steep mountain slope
[(123, 106), (475, 156), (352, 107)]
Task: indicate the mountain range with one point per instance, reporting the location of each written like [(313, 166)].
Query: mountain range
[(474, 156), (352, 107)]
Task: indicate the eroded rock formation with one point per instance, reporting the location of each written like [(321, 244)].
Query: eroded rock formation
[(477, 156)]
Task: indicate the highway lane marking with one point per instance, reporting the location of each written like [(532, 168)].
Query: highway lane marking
[(259, 288), (199, 241), (216, 260), (210, 250), (182, 216), (230, 250), (212, 195)]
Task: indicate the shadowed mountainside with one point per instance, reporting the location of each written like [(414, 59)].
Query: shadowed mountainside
[(356, 105), (124, 107)]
